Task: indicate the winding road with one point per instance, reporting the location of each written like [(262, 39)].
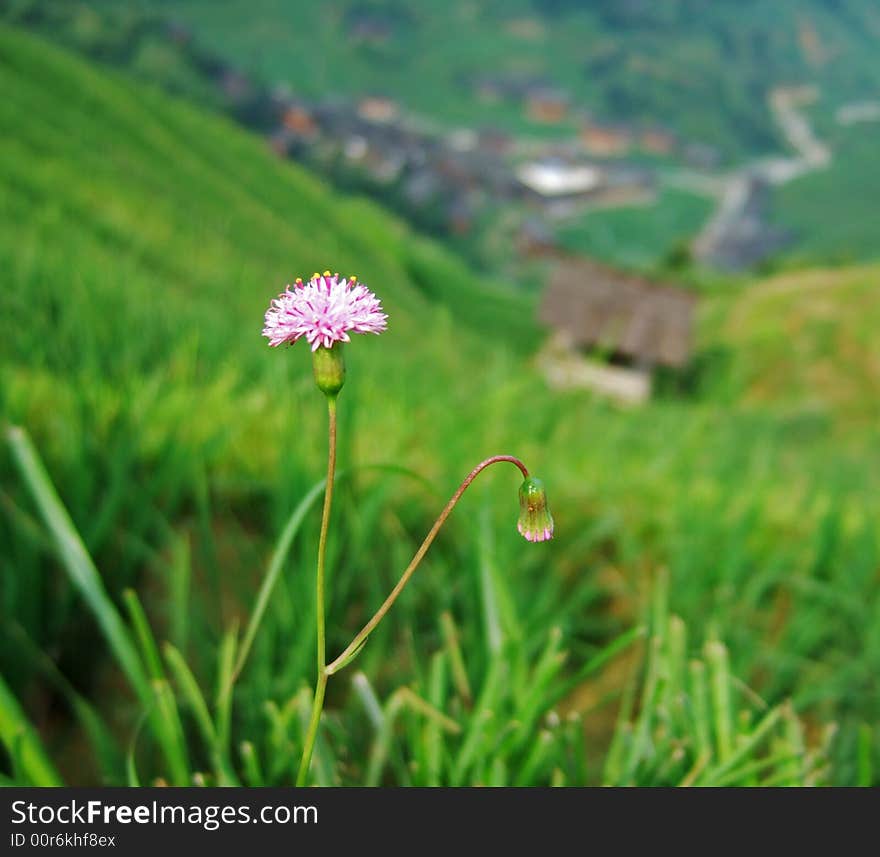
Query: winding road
[(734, 220)]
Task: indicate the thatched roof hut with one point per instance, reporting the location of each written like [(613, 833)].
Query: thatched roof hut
[(592, 305)]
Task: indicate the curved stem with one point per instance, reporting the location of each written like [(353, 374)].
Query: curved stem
[(352, 648), (321, 682)]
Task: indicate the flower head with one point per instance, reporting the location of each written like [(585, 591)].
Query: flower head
[(535, 521), (323, 310)]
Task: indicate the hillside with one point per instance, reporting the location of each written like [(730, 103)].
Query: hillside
[(234, 183), (808, 339), (140, 242), (832, 213)]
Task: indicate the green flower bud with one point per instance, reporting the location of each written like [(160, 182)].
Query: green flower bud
[(329, 367), (535, 521)]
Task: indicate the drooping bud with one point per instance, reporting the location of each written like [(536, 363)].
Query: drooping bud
[(329, 368), (535, 521)]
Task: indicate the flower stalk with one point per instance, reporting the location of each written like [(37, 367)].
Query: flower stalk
[(351, 651), (321, 681), (324, 311)]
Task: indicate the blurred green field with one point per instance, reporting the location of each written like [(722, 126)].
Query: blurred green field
[(141, 241), (660, 226), (832, 213)]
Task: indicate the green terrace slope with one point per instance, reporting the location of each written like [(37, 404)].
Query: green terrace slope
[(132, 171), (808, 339)]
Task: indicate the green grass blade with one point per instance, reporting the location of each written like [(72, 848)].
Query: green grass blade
[(456, 661), (253, 773), (482, 715), (368, 698), (23, 743), (597, 661), (491, 611), (273, 571), (719, 677), (169, 731), (188, 686), (676, 692), (536, 759), (641, 748), (432, 737), (499, 597), (143, 635), (103, 743), (865, 777), (165, 719), (223, 698), (411, 700), (77, 562), (380, 749), (131, 774), (282, 548), (612, 772), (179, 577), (740, 776), (702, 730), (746, 747)]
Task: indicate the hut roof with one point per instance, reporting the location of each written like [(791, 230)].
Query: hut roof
[(598, 306)]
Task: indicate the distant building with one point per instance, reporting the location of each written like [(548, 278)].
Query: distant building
[(298, 119), (355, 148), (556, 178), (460, 215), (386, 167), (549, 106), (511, 87), (462, 140), (606, 141), (638, 325), (421, 187), (378, 108), (281, 142), (235, 85), (495, 141), (656, 141), (563, 186)]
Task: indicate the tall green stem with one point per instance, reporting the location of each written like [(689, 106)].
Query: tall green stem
[(325, 670), (321, 682), (354, 646)]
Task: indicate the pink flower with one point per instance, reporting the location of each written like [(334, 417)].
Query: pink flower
[(323, 310)]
